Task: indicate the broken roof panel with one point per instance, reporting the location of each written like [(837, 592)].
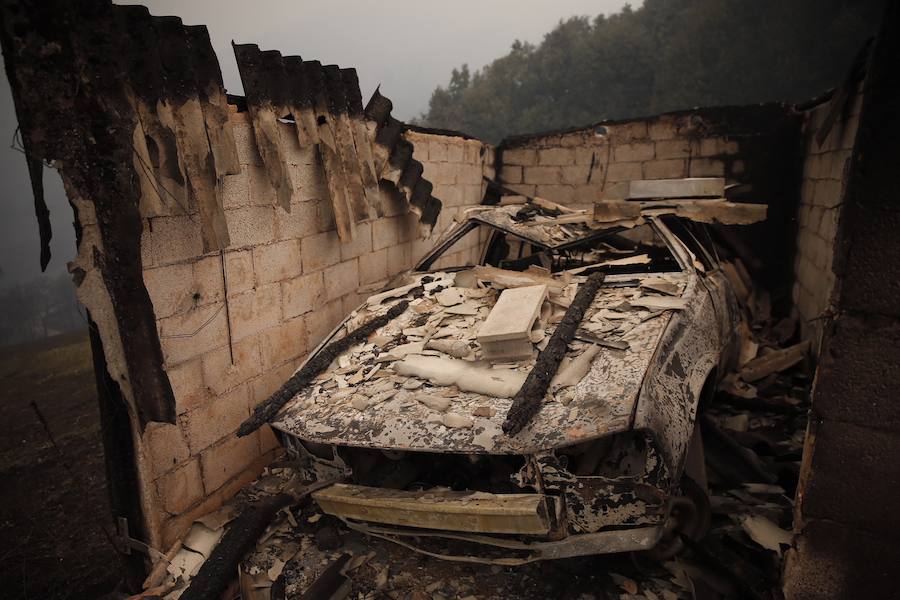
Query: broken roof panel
[(358, 146)]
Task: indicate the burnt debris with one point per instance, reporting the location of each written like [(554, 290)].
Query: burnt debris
[(527, 401), (320, 361)]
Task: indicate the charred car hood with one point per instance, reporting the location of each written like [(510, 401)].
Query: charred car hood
[(602, 403)]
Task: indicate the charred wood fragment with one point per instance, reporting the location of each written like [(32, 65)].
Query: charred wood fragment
[(219, 569), (527, 402), (315, 365)]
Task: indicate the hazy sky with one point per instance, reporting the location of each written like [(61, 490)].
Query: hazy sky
[(406, 46)]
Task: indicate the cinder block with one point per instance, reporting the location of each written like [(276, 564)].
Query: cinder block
[(623, 172), (526, 189), (738, 167), (277, 261), (556, 156), (716, 146), (469, 174), (261, 191), (310, 182), (324, 321), (320, 251), (589, 155), (541, 175), (455, 151), (195, 332), (227, 460), (587, 194), (360, 244), (575, 174), (399, 259), (170, 288), (472, 194), (419, 142), (209, 283), (564, 194), (325, 216), (384, 233), (268, 383), (663, 129), (299, 223), (187, 384), (573, 140), (351, 302), (637, 151), (239, 271), (215, 420), (472, 152), (664, 169), (173, 239), (245, 140), (444, 172), (525, 157), (254, 311), (303, 294), (181, 488), (373, 267), (251, 225), (222, 373), (673, 149), (449, 195), (408, 227), (627, 132), (437, 152), (165, 447), (342, 278), (235, 190), (511, 174), (707, 167), (282, 343)]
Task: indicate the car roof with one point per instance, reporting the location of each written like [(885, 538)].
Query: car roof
[(536, 226)]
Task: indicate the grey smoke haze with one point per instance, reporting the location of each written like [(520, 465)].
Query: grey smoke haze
[(406, 46)]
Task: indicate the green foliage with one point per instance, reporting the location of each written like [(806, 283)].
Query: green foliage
[(666, 55)]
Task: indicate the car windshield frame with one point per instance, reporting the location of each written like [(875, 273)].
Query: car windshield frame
[(454, 235)]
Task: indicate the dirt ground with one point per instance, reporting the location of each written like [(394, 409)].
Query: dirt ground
[(53, 503)]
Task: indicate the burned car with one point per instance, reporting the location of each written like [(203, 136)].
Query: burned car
[(530, 388)]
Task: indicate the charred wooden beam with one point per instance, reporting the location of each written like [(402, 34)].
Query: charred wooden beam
[(315, 365), (527, 402), (218, 570)]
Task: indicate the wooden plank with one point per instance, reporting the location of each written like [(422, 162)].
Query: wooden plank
[(689, 187), (774, 362), (514, 279), (437, 509)]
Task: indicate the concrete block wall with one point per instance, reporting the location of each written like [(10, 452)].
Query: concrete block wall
[(825, 169), (574, 168), (235, 325)]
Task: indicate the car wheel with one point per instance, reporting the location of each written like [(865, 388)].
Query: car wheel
[(689, 518)]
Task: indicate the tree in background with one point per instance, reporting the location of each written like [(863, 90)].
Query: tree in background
[(666, 55)]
